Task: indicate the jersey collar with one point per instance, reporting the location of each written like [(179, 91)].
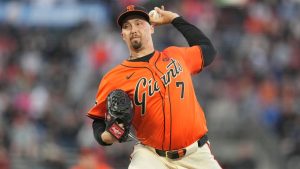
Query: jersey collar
[(141, 64)]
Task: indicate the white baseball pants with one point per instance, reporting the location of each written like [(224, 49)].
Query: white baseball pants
[(145, 157)]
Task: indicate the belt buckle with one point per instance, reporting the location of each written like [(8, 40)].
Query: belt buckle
[(177, 153), (170, 154)]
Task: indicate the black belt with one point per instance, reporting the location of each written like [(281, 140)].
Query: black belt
[(174, 154)]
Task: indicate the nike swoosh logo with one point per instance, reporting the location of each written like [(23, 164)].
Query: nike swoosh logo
[(129, 76)]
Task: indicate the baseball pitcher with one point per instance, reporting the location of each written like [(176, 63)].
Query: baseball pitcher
[(152, 92)]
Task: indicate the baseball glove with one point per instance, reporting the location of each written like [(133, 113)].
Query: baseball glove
[(119, 111)]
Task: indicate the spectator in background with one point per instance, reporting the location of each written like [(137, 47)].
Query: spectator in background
[(24, 137), (90, 158), (4, 160)]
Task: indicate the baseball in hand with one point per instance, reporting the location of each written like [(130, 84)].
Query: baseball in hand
[(153, 14)]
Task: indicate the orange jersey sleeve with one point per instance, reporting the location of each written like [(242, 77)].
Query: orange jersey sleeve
[(192, 56), (99, 109), (109, 82), (117, 78)]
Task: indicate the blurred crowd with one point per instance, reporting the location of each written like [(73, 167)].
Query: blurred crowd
[(250, 94)]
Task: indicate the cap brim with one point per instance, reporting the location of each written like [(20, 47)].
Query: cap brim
[(141, 13)]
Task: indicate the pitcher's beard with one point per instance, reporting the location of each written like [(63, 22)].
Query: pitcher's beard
[(136, 45)]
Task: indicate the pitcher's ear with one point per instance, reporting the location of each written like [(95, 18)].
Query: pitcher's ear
[(122, 35), (152, 28)]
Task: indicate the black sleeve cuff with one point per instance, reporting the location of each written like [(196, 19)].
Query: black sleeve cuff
[(98, 128)]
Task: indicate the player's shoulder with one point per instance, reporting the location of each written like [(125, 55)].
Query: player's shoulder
[(173, 50), (115, 71)]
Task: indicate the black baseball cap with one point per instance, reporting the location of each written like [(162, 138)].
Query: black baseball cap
[(133, 10)]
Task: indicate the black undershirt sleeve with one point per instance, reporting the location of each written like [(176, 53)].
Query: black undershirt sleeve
[(194, 36), (98, 128)]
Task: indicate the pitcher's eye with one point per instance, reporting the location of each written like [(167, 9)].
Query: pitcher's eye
[(138, 23), (125, 26)]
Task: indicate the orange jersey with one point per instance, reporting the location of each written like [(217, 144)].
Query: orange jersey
[(167, 113)]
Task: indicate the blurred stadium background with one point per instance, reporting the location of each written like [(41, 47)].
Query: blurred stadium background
[(53, 54)]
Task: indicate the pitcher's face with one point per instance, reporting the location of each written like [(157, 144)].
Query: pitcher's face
[(136, 32)]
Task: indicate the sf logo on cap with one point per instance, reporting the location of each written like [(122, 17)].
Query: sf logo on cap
[(130, 8)]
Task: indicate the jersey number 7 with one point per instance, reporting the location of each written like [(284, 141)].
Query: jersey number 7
[(181, 85)]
